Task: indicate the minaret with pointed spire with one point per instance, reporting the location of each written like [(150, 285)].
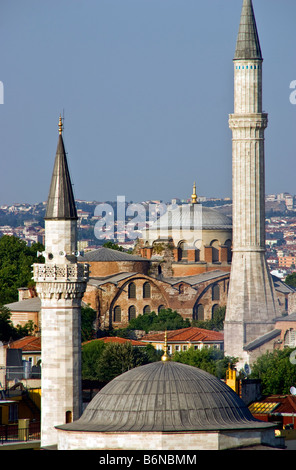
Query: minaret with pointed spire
[(251, 307), (60, 284)]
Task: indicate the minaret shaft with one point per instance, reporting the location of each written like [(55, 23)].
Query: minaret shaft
[(251, 305), (248, 181)]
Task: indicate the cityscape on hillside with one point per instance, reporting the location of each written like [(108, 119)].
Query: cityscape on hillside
[(25, 221), (163, 326)]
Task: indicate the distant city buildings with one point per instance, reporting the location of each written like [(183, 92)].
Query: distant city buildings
[(25, 221)]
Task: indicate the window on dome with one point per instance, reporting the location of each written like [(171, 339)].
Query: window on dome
[(228, 243), (215, 250), (183, 251)]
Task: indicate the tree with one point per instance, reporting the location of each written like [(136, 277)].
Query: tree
[(276, 372), (88, 316), (291, 280), (8, 331), (113, 246), (16, 260), (216, 323), (166, 319), (118, 358), (103, 362), (90, 354), (209, 359)]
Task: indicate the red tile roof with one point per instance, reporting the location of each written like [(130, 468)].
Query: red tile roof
[(188, 335), (28, 343), (284, 404), (117, 339)]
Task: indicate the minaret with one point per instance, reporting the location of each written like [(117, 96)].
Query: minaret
[(251, 306), (60, 284)]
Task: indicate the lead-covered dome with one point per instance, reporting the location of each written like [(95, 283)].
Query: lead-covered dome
[(165, 396), (192, 216)]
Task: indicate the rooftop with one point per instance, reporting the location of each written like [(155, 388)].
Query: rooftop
[(107, 254), (188, 335), (165, 397), (117, 339), (28, 343)]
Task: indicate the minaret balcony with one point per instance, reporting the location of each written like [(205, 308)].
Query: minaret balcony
[(61, 272)]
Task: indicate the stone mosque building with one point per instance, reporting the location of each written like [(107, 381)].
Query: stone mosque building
[(167, 272), (163, 405)]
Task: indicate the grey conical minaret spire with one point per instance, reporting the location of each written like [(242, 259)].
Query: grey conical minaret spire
[(61, 203), (247, 45)]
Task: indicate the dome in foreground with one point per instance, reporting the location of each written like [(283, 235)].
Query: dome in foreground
[(165, 397)]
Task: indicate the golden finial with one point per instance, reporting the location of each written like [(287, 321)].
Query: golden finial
[(60, 125), (165, 357), (194, 196)]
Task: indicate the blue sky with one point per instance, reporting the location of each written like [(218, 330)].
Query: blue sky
[(146, 87)]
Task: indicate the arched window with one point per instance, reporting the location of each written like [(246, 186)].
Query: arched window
[(161, 307), (181, 289), (214, 309), (200, 312), (290, 338), (146, 309), (132, 290), (215, 250), (117, 313), (146, 290), (132, 312), (215, 292), (183, 251), (68, 416), (228, 243)]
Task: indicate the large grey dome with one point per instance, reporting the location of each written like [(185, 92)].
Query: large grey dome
[(192, 216), (165, 396)]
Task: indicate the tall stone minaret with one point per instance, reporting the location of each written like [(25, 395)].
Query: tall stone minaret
[(251, 306), (60, 284)]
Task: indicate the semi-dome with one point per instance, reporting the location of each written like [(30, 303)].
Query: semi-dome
[(165, 397)]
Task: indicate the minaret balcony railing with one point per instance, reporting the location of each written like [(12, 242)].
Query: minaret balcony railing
[(61, 272)]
